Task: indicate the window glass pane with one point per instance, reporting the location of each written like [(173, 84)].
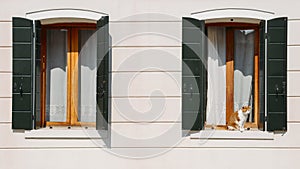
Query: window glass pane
[(243, 68), (87, 70), (56, 74)]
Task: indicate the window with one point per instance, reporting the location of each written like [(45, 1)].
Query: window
[(69, 69), (60, 74), (224, 68), (232, 71)]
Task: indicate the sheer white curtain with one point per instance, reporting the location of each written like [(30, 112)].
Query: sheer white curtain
[(87, 70), (56, 75), (216, 73), (243, 68)]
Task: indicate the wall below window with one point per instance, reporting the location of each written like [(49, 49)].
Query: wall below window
[(175, 158)]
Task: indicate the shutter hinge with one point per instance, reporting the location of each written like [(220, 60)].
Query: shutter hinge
[(33, 34), (33, 117), (266, 36), (266, 118)]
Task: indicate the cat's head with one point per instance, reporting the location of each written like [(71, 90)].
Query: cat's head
[(246, 109)]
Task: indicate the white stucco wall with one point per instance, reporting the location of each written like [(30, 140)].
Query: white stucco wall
[(140, 29)]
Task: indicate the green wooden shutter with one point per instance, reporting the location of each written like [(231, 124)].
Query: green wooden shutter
[(22, 96), (277, 74), (193, 74), (37, 108), (103, 75), (261, 123)]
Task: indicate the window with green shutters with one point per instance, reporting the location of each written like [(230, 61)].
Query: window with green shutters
[(29, 65), (269, 92)]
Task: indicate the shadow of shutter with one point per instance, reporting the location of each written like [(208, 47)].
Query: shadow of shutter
[(37, 99), (261, 122)]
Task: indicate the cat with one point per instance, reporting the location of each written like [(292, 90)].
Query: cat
[(237, 119)]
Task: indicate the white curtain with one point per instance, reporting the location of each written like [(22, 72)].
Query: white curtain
[(87, 70), (243, 68), (216, 73), (56, 74)]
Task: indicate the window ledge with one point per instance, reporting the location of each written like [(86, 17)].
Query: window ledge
[(232, 135), (62, 134)]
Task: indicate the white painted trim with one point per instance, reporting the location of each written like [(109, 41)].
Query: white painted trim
[(238, 20), (236, 135), (66, 20), (46, 133), (60, 15), (233, 13)]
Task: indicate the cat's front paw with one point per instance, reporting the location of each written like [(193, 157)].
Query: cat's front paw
[(242, 129), (230, 128)]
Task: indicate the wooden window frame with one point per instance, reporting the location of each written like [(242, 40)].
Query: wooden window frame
[(72, 73), (230, 27)]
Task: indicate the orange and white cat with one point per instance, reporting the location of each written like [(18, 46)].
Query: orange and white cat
[(237, 119)]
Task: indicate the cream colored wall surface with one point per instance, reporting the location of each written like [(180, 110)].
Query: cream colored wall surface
[(209, 158), (146, 56), (121, 9)]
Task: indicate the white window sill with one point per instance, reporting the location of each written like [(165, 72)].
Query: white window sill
[(232, 135), (62, 133)]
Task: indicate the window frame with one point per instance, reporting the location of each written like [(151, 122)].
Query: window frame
[(230, 27), (72, 100)]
